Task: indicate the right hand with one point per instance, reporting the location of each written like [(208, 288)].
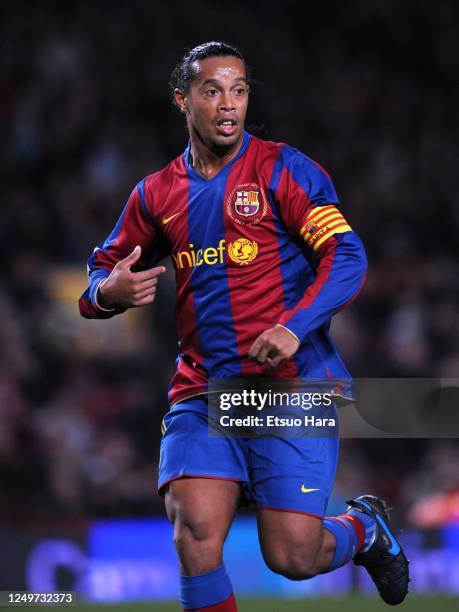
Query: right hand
[(126, 289)]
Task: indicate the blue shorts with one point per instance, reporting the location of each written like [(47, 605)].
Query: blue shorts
[(294, 474)]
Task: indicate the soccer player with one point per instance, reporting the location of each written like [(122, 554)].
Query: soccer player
[(263, 259)]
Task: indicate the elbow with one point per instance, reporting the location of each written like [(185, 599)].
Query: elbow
[(360, 273), (359, 259), (358, 267), (362, 266)]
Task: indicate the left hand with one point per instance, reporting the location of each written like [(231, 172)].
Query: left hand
[(273, 346)]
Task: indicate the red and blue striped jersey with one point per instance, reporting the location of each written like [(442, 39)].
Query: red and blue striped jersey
[(261, 243)]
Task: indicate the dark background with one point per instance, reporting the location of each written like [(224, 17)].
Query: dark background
[(368, 89)]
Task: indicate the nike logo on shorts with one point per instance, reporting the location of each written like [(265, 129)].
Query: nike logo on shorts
[(304, 490)]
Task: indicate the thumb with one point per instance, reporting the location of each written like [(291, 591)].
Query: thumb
[(131, 259)]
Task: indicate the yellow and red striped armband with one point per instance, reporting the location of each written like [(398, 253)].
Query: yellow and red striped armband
[(321, 223)]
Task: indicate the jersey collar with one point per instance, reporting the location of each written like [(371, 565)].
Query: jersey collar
[(192, 172)]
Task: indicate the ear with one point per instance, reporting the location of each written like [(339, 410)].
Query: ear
[(180, 100)]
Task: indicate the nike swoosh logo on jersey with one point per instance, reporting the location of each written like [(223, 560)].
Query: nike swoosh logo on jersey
[(304, 490), (167, 219)]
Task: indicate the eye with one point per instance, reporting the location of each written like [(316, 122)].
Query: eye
[(211, 92), (240, 91)]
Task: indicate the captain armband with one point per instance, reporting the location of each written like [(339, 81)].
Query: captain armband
[(321, 223)]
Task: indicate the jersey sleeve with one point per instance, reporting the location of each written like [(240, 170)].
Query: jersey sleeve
[(310, 209), (134, 227)]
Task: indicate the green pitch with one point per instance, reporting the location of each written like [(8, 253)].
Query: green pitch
[(347, 604)]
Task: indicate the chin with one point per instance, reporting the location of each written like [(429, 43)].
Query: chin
[(225, 142)]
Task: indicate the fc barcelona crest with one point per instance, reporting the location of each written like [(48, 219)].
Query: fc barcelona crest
[(247, 204)]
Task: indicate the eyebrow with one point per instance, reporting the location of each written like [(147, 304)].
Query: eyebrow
[(217, 82)]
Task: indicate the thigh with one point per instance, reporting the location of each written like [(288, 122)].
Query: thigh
[(188, 450), (294, 475), (205, 507)]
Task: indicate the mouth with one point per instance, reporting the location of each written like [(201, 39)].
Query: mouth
[(227, 127)]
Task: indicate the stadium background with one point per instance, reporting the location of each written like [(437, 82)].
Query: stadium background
[(365, 88)]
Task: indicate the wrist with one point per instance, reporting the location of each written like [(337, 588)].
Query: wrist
[(293, 335), (100, 301)]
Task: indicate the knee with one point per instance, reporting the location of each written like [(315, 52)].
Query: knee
[(293, 569), (199, 547), (188, 531), (293, 563), (196, 536)]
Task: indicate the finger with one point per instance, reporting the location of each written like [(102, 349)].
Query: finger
[(144, 286), (255, 348), (263, 353), (141, 294), (149, 274), (275, 361), (148, 299), (133, 257)]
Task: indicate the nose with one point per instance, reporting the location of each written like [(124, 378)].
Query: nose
[(226, 102)]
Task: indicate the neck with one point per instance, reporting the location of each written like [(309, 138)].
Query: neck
[(209, 161)]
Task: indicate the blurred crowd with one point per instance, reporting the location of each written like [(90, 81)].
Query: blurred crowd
[(367, 89)]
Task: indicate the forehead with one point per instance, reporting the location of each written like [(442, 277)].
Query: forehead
[(219, 69)]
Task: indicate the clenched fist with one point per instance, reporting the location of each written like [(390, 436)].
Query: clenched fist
[(124, 288), (273, 346)]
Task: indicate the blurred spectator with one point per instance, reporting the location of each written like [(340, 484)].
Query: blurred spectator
[(86, 114)]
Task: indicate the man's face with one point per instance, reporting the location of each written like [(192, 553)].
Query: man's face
[(216, 103)]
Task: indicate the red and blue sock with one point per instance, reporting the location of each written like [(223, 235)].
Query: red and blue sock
[(354, 532), (210, 592)]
